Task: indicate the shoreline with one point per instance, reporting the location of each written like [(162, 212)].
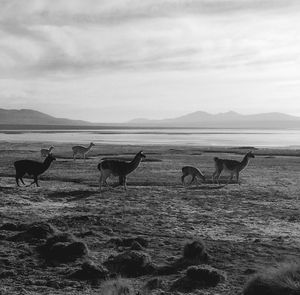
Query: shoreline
[(276, 139), (195, 150)]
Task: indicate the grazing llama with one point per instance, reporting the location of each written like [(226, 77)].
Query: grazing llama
[(192, 171), (46, 152), (118, 168), (81, 150), (32, 168), (231, 166)]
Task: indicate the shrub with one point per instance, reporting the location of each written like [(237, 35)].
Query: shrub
[(117, 287), (195, 251), (281, 280)]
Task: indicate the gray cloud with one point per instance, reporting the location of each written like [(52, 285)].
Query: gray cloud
[(52, 25), (126, 11)]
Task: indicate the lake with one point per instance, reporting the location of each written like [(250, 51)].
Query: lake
[(146, 136)]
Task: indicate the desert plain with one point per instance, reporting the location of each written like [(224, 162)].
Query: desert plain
[(245, 228)]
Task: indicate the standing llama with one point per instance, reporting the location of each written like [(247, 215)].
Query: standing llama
[(46, 152), (32, 168), (233, 167), (81, 150), (118, 168)]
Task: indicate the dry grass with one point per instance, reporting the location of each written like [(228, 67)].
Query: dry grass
[(244, 228), (117, 287), (281, 280)]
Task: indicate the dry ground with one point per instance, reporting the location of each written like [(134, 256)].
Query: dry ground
[(245, 228)]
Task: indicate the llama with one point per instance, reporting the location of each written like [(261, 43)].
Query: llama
[(45, 152), (194, 172), (81, 150), (32, 168), (231, 166), (118, 168)]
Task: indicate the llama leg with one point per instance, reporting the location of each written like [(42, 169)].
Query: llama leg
[(74, 157), (237, 178), (218, 177), (104, 174), (182, 179), (193, 178), (100, 181), (214, 176), (31, 183), (125, 184), (229, 179), (121, 180), (36, 181), (22, 180), (17, 180)]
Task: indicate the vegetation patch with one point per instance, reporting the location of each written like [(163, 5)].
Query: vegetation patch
[(130, 263), (36, 231), (281, 280), (198, 277), (62, 248)]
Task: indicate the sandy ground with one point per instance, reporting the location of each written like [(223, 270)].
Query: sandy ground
[(245, 227)]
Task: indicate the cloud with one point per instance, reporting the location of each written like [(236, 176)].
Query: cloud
[(72, 12), (68, 38)]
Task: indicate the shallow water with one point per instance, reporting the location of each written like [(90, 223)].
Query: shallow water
[(191, 137)]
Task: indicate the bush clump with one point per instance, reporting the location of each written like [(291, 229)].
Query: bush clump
[(130, 263), (129, 242), (117, 287), (281, 280), (195, 251), (90, 272), (62, 247), (13, 227), (198, 277), (36, 231)]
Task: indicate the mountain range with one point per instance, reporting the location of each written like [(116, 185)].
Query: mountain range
[(198, 119), (32, 117), (225, 120)]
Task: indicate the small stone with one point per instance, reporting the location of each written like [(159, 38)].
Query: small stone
[(136, 246)]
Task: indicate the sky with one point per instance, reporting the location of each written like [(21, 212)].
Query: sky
[(115, 60)]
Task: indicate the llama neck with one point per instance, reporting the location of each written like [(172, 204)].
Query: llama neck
[(47, 163), (135, 163), (244, 162), (89, 147)]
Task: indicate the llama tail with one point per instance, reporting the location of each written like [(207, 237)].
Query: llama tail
[(99, 166), (216, 159)]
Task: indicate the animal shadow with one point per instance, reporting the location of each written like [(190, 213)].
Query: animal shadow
[(71, 195), (205, 187)]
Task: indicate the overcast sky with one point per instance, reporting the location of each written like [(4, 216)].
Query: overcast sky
[(114, 60)]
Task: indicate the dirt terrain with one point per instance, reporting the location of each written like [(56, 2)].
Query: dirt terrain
[(245, 227)]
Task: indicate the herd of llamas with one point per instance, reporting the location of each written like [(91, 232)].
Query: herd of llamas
[(283, 280), (122, 168)]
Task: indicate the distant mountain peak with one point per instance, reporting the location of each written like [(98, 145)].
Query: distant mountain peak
[(230, 119), (33, 117), (231, 113)]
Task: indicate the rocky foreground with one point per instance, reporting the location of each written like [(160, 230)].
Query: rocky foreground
[(64, 238)]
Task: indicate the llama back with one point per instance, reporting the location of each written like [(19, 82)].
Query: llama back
[(115, 166)]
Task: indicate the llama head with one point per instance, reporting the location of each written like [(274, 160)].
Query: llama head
[(141, 154), (250, 155)]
